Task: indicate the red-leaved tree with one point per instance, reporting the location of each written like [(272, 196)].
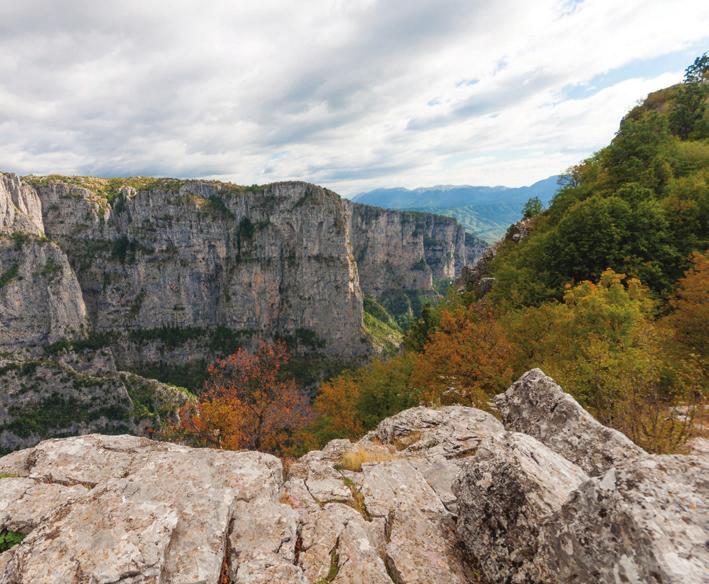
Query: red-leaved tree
[(247, 403)]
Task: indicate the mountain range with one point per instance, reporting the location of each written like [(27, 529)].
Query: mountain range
[(482, 210)]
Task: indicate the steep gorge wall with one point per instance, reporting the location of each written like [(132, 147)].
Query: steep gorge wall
[(174, 271), (204, 255), (400, 249)]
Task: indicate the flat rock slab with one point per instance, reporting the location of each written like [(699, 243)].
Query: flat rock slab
[(158, 512)]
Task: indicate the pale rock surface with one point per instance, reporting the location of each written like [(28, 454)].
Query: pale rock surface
[(158, 511), (644, 521), (504, 494), (448, 495), (536, 405), (398, 512), (25, 502), (20, 206)]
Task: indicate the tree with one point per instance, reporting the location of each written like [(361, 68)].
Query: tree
[(690, 309), (687, 115), (532, 207), (336, 404), (602, 345), (247, 403), (697, 72), (467, 360)]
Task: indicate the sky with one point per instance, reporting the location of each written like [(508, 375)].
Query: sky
[(348, 94)]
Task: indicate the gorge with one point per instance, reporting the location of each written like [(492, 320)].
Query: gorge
[(158, 276)]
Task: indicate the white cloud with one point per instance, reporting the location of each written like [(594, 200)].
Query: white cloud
[(351, 94)]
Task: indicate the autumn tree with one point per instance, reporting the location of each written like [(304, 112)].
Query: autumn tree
[(336, 406), (247, 403), (690, 309), (356, 401), (466, 361), (603, 346)]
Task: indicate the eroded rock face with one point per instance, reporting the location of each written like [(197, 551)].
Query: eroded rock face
[(505, 492), (643, 521), (399, 249), (537, 406)]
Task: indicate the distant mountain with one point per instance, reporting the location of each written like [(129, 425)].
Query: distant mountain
[(483, 211)]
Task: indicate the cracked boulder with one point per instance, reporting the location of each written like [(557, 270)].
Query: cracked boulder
[(392, 517), (643, 521), (536, 405), (505, 492)]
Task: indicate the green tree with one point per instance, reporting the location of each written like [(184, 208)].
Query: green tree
[(532, 207)]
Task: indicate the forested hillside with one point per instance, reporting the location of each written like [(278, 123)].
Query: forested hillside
[(606, 291)]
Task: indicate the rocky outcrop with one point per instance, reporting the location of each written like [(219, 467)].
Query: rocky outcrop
[(430, 495), (42, 398), (537, 406), (509, 486), (643, 521)]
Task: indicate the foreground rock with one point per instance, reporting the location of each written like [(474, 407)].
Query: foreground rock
[(505, 492), (156, 512), (643, 521), (537, 406), (431, 495)]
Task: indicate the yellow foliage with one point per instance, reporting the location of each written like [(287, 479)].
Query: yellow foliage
[(354, 459)]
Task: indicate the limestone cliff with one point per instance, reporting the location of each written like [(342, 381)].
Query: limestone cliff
[(431, 495), (165, 274)]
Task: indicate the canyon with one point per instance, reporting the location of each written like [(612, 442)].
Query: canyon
[(100, 277)]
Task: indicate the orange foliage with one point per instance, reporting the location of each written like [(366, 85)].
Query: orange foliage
[(466, 361), (337, 402), (247, 404), (690, 308)]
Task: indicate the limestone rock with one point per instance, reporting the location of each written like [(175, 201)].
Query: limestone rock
[(537, 406), (158, 511), (25, 502), (20, 207), (450, 431), (419, 531), (504, 494), (645, 520)]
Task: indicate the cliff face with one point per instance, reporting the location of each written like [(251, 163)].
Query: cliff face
[(161, 275), (431, 495), (202, 255), (398, 249), (40, 297)]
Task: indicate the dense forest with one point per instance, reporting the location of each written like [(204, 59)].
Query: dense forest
[(606, 292)]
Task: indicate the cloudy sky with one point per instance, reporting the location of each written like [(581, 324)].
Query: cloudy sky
[(351, 94)]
